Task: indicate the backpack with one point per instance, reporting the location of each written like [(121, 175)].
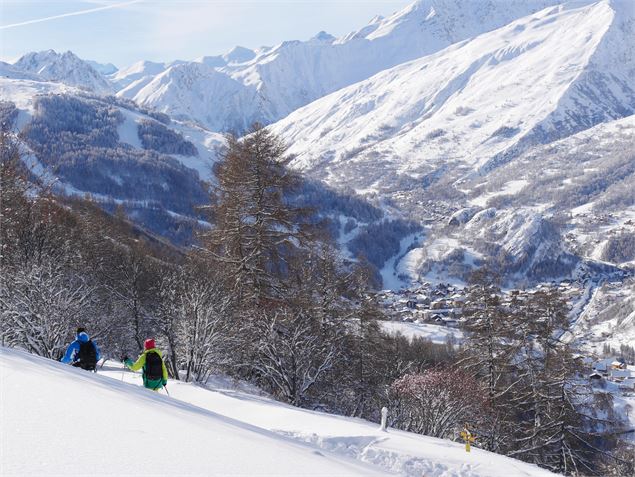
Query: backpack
[(154, 366), (87, 355)]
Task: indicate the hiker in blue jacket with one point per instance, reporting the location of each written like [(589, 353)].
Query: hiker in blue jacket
[(82, 352)]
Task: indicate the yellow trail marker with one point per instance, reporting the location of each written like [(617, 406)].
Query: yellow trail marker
[(468, 438)]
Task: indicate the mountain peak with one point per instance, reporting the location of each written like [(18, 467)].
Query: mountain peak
[(323, 36), (239, 54), (103, 68), (65, 68)]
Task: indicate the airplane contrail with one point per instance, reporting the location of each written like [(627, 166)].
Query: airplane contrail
[(71, 14)]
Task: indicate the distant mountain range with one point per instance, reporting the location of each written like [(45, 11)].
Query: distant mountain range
[(231, 91), (503, 129)]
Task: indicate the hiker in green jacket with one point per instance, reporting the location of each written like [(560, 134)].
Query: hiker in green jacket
[(155, 374)]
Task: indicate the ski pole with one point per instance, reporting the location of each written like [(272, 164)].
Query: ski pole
[(166, 389)]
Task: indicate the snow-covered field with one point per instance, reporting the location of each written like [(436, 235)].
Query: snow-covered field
[(435, 333), (57, 419)]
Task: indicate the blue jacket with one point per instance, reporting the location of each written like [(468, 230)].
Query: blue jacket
[(72, 351)]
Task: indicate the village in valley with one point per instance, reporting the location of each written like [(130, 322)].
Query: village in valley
[(614, 370), (435, 312), (442, 304)]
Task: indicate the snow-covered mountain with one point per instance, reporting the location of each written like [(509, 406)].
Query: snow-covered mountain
[(588, 177), (125, 154), (249, 434), (446, 107), (103, 68), (82, 143), (270, 83), (562, 209), (141, 69), (64, 68), (193, 91), (474, 104), (7, 70)]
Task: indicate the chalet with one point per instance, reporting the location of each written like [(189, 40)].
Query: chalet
[(618, 364), (438, 305), (444, 312), (450, 322), (621, 375), (603, 366), (458, 300)]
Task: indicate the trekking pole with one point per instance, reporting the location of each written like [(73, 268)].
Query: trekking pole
[(123, 368)]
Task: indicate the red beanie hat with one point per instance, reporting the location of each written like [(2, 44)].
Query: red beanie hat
[(148, 344)]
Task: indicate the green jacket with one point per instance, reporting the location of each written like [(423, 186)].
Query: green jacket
[(141, 363)]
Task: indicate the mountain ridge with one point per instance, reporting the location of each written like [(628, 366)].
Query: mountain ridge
[(500, 96), (282, 78)]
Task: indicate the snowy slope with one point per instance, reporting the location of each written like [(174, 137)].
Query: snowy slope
[(546, 210), (64, 68), (23, 93), (157, 182), (541, 77), (609, 318), (57, 420), (194, 91), (436, 333), (588, 176), (103, 68), (203, 432), (276, 81), (141, 71), (7, 70)]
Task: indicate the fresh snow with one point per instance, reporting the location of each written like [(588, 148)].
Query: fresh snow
[(57, 419), (435, 333), (390, 275), (64, 68), (103, 422), (511, 188), (476, 100), (230, 92)]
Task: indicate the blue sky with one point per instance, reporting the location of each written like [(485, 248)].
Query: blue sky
[(122, 32)]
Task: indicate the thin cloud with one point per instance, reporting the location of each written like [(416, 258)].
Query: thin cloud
[(71, 14)]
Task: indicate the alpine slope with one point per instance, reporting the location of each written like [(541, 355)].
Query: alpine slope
[(231, 91), (57, 419), (476, 104)]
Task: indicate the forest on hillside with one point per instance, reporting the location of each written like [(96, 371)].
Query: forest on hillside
[(265, 296)]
